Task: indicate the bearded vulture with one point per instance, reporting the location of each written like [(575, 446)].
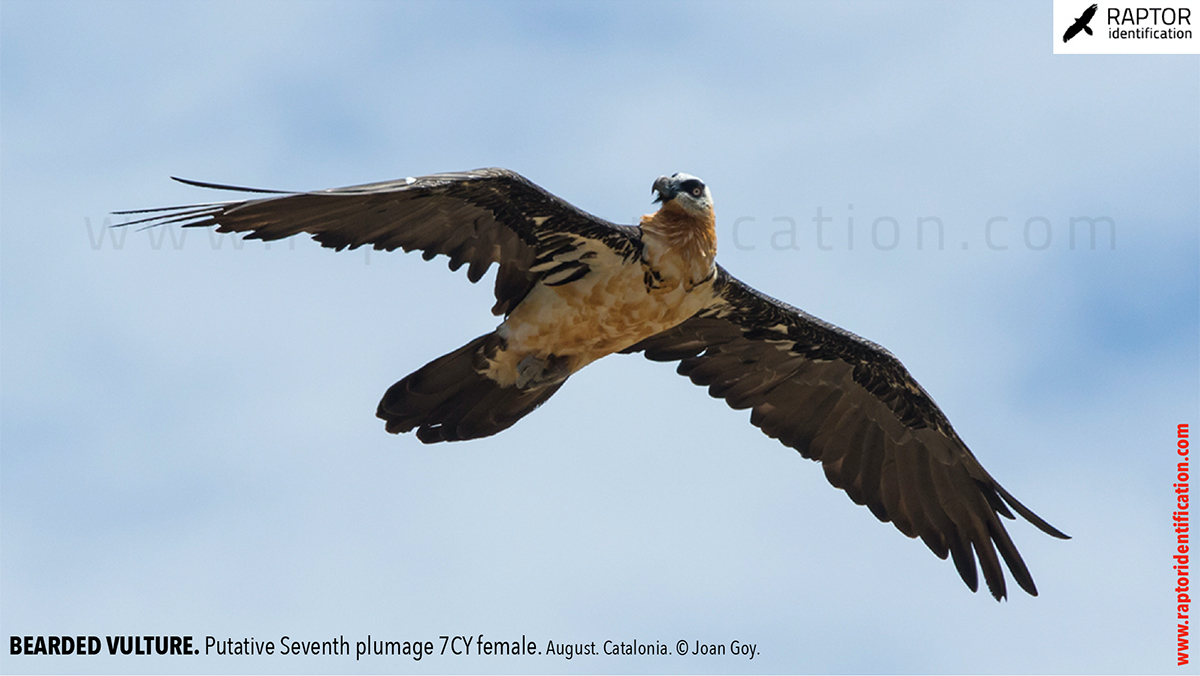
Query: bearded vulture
[(573, 288)]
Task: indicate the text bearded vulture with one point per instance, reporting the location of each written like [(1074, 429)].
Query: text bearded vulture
[(574, 288)]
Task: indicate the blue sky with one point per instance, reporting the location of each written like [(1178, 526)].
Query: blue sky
[(187, 438)]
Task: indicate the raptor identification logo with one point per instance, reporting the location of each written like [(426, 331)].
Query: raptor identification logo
[(1131, 27)]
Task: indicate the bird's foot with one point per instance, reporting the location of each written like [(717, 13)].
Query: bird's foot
[(535, 371)]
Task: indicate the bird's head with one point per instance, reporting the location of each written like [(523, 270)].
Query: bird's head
[(685, 191)]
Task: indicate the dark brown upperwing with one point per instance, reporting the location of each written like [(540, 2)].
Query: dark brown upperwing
[(476, 218), (848, 403)]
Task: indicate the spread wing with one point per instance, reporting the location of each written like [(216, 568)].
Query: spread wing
[(851, 405), (1087, 15), (476, 218), (1072, 31)]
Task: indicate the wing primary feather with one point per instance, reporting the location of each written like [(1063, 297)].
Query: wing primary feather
[(235, 188), (1012, 558), (964, 560), (176, 209), (1029, 516)]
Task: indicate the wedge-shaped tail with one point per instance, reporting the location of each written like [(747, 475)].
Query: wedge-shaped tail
[(451, 399)]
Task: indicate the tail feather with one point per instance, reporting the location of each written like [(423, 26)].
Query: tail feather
[(449, 399)]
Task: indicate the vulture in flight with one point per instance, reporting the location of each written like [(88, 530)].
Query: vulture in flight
[(1081, 24), (573, 288)]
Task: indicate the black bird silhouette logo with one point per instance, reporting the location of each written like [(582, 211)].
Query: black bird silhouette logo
[(1081, 24)]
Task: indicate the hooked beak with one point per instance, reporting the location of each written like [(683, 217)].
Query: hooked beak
[(665, 188)]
